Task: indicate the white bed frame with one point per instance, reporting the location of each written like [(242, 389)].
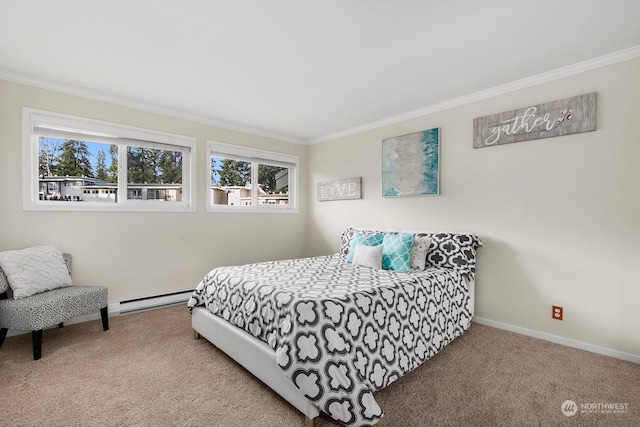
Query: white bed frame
[(258, 358)]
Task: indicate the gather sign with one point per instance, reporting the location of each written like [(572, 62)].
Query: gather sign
[(562, 117)]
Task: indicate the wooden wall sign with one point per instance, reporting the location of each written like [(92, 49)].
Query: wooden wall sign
[(341, 189), (563, 117)]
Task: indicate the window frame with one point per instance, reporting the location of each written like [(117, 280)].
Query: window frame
[(123, 136), (256, 157)]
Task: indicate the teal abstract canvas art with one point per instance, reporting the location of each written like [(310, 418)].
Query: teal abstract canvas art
[(411, 163)]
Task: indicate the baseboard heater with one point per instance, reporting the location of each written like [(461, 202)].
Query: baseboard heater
[(155, 301)]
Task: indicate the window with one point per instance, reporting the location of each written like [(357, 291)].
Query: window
[(251, 180), (72, 163)]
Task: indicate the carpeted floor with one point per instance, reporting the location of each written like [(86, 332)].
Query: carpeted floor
[(148, 370)]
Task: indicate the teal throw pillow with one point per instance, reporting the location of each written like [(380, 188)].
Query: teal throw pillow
[(396, 251)]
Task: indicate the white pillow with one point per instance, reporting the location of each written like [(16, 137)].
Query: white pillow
[(368, 256), (34, 270), (419, 252)]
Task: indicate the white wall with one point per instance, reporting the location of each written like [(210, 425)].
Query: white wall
[(559, 217), (140, 254)]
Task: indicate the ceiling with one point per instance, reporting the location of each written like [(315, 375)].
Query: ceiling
[(301, 70)]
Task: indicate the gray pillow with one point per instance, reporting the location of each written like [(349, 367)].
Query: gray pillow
[(419, 252)]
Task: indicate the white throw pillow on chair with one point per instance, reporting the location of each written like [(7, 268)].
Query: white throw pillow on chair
[(34, 270)]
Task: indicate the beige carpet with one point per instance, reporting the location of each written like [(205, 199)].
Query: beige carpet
[(148, 370)]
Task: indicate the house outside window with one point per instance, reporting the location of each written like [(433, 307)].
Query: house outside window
[(72, 163), (251, 180)]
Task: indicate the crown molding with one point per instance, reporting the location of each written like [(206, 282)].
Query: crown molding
[(580, 67), (124, 102), (569, 70)]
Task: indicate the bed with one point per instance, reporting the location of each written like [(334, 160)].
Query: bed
[(327, 332)]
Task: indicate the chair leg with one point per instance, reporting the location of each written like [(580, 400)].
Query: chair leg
[(3, 335), (36, 337), (105, 318)]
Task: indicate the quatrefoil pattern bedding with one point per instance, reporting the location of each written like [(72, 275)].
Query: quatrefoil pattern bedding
[(341, 331)]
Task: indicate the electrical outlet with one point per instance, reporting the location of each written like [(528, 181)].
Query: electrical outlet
[(556, 312)]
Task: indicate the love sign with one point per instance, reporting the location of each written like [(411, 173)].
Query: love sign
[(341, 189)]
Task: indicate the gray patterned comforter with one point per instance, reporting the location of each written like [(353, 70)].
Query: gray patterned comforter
[(340, 331)]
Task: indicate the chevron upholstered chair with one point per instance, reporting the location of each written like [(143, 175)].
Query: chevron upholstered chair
[(52, 307)]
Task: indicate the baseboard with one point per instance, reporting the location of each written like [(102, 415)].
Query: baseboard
[(120, 308), (560, 340)]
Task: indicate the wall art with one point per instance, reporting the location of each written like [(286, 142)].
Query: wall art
[(411, 164), (340, 189), (562, 117)]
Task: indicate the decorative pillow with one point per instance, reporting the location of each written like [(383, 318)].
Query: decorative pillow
[(367, 239), (419, 252), (345, 240), (456, 251), (396, 252), (453, 250), (34, 270), (368, 256)]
